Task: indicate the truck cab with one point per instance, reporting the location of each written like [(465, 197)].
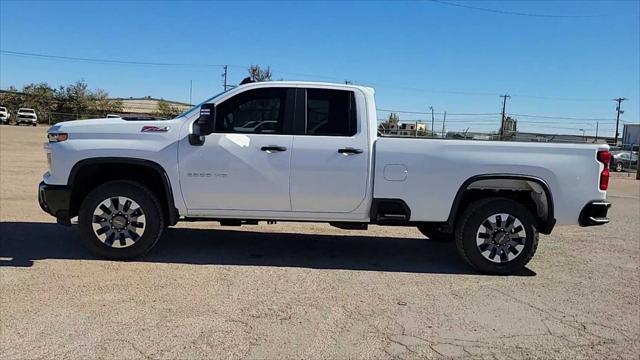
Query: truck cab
[(298, 151)]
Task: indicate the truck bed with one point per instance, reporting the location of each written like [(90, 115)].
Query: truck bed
[(571, 172)]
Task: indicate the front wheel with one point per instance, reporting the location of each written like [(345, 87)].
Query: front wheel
[(497, 236), (120, 220)]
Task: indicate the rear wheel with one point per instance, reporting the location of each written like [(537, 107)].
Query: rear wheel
[(433, 232), (497, 236), (120, 220), (619, 167)]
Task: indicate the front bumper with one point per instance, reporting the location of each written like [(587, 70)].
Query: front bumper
[(55, 200), (594, 213), (26, 120)]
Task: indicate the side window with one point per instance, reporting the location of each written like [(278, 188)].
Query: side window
[(330, 113), (258, 111)]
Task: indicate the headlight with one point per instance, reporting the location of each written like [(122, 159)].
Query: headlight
[(57, 137)]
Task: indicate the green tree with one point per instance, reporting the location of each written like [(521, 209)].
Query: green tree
[(393, 119), (41, 98), (11, 99), (166, 110), (258, 74)]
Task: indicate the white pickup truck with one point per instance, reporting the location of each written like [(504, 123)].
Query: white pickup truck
[(298, 151)]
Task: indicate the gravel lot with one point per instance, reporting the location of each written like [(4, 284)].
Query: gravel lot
[(305, 290)]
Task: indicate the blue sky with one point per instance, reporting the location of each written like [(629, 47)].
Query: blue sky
[(416, 54)]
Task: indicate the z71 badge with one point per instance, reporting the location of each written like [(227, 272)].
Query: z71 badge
[(154, 129)]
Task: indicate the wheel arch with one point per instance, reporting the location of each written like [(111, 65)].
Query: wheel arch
[(497, 184), (144, 171)]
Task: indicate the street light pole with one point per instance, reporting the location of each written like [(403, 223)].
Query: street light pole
[(432, 121)]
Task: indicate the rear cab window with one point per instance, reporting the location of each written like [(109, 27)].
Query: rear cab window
[(330, 113)]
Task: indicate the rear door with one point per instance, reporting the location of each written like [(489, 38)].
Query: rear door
[(330, 160), (244, 164)]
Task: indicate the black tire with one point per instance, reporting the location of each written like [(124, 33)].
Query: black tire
[(143, 197), (619, 167), (435, 234), (468, 230)]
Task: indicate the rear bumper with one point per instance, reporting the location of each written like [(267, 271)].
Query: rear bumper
[(594, 213), (55, 200)]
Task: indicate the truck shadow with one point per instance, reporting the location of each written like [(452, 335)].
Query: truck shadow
[(22, 243)]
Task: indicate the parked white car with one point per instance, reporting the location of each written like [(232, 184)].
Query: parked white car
[(26, 116), (319, 160), (4, 115)]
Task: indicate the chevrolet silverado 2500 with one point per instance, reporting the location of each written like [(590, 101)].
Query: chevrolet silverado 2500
[(297, 151)]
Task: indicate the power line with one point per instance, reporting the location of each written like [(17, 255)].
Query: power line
[(559, 117), (507, 12), (102, 61), (429, 113), (379, 85), (558, 98)]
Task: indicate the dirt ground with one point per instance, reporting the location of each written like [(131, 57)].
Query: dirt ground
[(306, 290)]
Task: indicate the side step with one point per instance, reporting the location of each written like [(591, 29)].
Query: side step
[(392, 217)]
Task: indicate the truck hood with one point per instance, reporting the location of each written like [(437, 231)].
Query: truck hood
[(117, 128)]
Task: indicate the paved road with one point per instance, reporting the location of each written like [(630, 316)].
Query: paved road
[(305, 290)]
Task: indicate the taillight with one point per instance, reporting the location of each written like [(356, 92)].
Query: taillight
[(604, 156)]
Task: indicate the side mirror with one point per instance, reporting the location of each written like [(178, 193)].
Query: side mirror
[(206, 122), (204, 125)]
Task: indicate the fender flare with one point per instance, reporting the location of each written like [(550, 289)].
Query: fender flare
[(545, 226), (172, 210)]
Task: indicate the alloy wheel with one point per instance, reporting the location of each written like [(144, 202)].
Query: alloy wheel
[(501, 238), (118, 222)]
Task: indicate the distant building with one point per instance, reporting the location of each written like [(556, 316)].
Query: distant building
[(147, 105), (631, 136), (510, 127), (406, 129), (561, 138), (530, 137)]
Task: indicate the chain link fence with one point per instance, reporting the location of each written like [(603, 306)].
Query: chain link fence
[(625, 159)]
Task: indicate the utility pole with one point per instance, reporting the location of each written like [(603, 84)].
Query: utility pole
[(597, 125), (224, 75), (444, 120), (190, 92), (432, 121), (504, 107), (618, 111)]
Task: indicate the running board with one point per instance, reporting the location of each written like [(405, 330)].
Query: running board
[(392, 217)]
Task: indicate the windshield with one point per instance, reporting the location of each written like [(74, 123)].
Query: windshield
[(28, 111), (197, 106)]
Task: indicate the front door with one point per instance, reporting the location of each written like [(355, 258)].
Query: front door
[(245, 163)]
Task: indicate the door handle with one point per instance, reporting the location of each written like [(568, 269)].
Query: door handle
[(273, 148), (350, 151)]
